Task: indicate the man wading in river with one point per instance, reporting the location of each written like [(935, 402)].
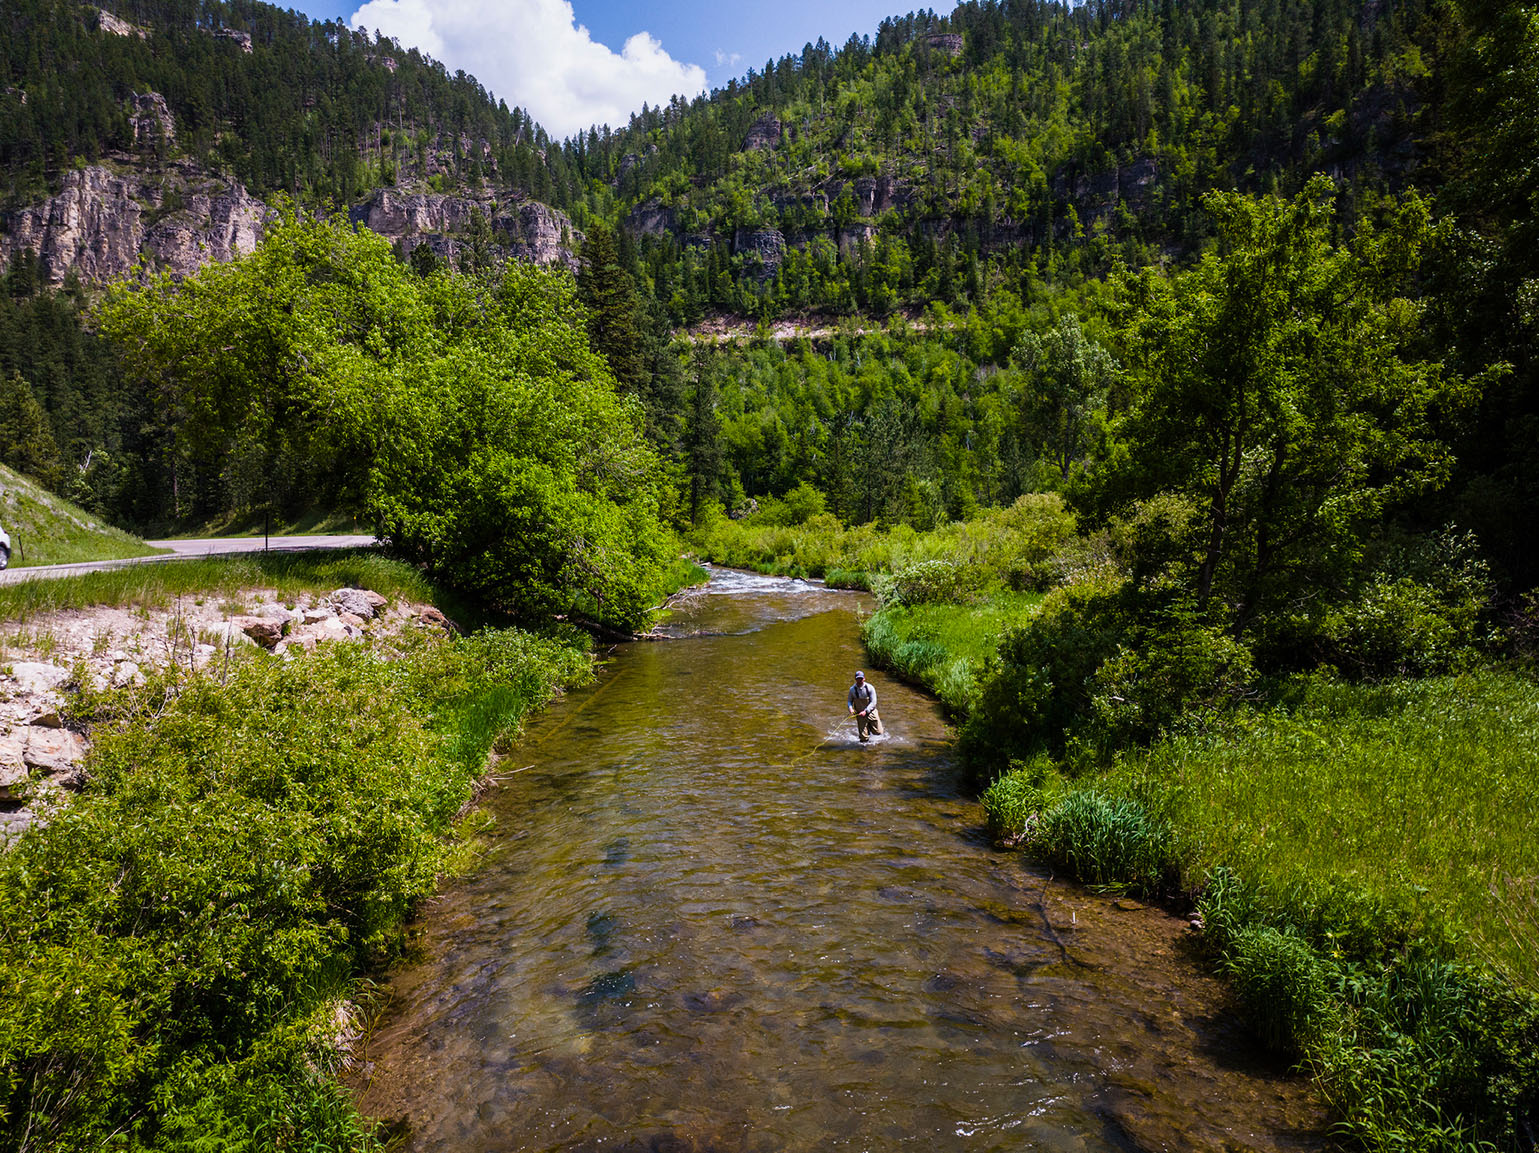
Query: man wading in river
[(862, 702)]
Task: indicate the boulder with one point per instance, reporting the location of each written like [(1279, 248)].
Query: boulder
[(38, 677), (56, 751), (266, 633), (431, 616), (351, 620), (360, 602), (314, 616), (48, 718)]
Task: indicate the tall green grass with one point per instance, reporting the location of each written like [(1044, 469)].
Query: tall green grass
[(1366, 867), (1423, 793), (944, 647), (47, 529)]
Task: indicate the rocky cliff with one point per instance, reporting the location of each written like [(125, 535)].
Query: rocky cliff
[(177, 218), (104, 221), (525, 230)]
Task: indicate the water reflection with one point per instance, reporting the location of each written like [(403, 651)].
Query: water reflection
[(714, 921)]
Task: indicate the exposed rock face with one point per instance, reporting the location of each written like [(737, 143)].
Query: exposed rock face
[(541, 235), (100, 224), (948, 42), (152, 120), (763, 133), (1097, 194), (243, 39), (110, 23), (651, 219), (530, 231), (766, 245), (402, 215)]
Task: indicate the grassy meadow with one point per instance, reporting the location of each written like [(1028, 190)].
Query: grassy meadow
[(944, 647), (1423, 795)]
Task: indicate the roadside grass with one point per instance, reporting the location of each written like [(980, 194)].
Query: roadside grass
[(944, 647), (47, 529), (253, 522), (157, 585)]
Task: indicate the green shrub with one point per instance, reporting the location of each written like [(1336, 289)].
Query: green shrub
[(1105, 841), (1183, 672), (1039, 687), (1284, 986), (927, 583), (174, 942)]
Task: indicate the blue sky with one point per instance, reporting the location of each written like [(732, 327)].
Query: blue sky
[(532, 53)]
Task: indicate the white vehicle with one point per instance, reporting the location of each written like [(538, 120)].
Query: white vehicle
[(5, 548)]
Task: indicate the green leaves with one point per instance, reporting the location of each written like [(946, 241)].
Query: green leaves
[(172, 943), (468, 416), (1277, 385)]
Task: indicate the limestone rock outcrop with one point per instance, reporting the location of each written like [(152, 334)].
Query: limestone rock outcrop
[(763, 133), (102, 223), (526, 230), (151, 120)]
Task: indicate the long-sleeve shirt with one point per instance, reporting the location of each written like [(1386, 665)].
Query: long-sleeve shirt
[(862, 696)]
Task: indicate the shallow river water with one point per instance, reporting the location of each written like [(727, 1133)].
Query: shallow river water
[(709, 919)]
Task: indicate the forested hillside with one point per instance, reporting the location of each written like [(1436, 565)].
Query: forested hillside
[(1004, 143), (264, 95), (972, 180)]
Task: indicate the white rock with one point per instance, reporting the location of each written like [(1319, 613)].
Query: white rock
[(13, 779), (128, 673), (359, 602), (37, 677)]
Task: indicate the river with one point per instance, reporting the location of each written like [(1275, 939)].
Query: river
[(708, 919)]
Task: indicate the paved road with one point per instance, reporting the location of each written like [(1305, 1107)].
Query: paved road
[(209, 546)]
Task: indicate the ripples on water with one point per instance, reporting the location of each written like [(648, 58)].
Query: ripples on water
[(712, 920)]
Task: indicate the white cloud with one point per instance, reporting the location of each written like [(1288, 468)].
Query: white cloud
[(534, 54), (723, 59)]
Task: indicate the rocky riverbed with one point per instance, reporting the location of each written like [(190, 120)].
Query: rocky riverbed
[(42, 752)]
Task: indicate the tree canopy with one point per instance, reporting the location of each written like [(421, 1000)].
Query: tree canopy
[(467, 415)]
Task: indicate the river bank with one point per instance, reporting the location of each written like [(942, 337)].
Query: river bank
[(1360, 858), (180, 942)]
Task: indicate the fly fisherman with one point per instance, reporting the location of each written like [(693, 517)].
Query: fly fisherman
[(862, 702)]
